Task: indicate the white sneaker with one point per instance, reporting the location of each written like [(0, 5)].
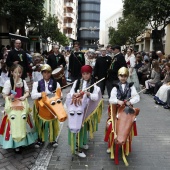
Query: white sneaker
[(54, 144), (108, 150), (17, 149), (85, 147), (80, 154)]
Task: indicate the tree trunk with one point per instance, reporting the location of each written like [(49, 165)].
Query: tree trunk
[(157, 36)]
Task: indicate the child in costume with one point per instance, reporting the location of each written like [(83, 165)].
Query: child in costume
[(37, 64), (51, 127), (16, 130), (77, 97), (123, 91)]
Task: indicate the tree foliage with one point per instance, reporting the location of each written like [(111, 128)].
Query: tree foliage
[(49, 28), (155, 12), (18, 12), (129, 28)]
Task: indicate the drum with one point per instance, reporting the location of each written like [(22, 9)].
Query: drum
[(58, 73)]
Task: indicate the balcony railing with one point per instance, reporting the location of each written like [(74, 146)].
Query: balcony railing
[(69, 25), (69, 5), (70, 15), (70, 36)]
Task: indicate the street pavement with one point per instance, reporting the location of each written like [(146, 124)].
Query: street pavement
[(150, 149)]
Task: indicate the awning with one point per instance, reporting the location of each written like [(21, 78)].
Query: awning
[(15, 37)]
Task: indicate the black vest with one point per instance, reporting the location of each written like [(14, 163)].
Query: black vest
[(78, 83), (126, 94)]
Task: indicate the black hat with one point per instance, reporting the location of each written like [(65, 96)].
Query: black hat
[(116, 47)]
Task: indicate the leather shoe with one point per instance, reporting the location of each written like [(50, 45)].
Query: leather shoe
[(166, 107)]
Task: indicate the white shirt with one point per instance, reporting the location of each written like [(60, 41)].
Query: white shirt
[(35, 94), (93, 96), (113, 98), (132, 60), (7, 87)]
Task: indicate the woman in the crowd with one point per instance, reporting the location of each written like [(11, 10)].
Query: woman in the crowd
[(131, 61), (155, 77), (166, 78), (144, 72)]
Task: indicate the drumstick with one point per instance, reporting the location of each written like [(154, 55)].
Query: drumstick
[(66, 85), (63, 87), (136, 94), (94, 84)]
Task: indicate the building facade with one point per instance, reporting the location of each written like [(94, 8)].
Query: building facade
[(112, 21), (88, 23), (70, 19)]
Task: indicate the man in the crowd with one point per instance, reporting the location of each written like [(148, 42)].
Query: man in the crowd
[(101, 69), (18, 56), (56, 60), (117, 62), (109, 51), (76, 61)]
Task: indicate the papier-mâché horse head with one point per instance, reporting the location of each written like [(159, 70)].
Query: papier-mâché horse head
[(51, 108), (75, 113), (125, 119), (17, 112)]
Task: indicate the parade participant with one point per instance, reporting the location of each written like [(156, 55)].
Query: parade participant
[(47, 85), (16, 131), (90, 59), (117, 62), (123, 96), (101, 69), (123, 90), (80, 101), (56, 60), (37, 64), (76, 61), (131, 61), (18, 56)]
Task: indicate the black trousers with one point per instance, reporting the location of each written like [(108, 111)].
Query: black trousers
[(102, 85), (73, 78), (157, 86), (109, 85)]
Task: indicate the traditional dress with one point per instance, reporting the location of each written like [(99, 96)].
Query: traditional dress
[(161, 95), (6, 132), (47, 129), (123, 92), (130, 61), (116, 130), (84, 118)]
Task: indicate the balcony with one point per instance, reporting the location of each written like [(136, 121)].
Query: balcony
[(69, 15), (70, 36), (69, 5), (69, 25)]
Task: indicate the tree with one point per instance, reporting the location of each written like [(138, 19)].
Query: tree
[(155, 12), (129, 28), (116, 37), (18, 12), (49, 29)]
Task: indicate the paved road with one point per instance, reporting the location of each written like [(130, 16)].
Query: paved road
[(151, 149)]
